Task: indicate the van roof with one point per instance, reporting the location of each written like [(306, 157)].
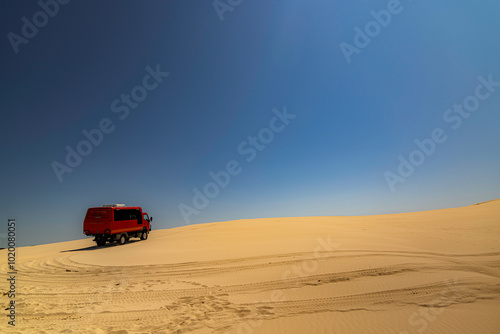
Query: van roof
[(115, 207)]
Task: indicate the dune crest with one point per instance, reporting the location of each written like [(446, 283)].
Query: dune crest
[(433, 271)]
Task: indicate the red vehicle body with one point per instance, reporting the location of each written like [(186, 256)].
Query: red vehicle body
[(116, 222)]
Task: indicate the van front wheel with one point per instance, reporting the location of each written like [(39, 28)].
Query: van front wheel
[(122, 240), (144, 235)]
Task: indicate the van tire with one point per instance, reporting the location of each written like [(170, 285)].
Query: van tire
[(100, 242), (122, 240), (144, 234)]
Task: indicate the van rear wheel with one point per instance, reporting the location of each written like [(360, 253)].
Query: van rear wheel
[(122, 240), (100, 242)]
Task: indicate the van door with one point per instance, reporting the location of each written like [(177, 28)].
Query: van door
[(147, 221)]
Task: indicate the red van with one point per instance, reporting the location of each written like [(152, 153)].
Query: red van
[(116, 222)]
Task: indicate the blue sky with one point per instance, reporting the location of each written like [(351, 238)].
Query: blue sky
[(352, 120)]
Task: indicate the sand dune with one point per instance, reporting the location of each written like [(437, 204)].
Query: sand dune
[(424, 272)]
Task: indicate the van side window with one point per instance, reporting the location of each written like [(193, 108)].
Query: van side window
[(119, 215), (127, 214)]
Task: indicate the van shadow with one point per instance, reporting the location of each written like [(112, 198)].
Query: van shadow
[(95, 247)]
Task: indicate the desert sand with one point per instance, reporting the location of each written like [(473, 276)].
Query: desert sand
[(424, 272)]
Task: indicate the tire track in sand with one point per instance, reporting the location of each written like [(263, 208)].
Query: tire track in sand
[(116, 301)]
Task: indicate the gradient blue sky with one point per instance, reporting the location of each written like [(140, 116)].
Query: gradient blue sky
[(352, 120)]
